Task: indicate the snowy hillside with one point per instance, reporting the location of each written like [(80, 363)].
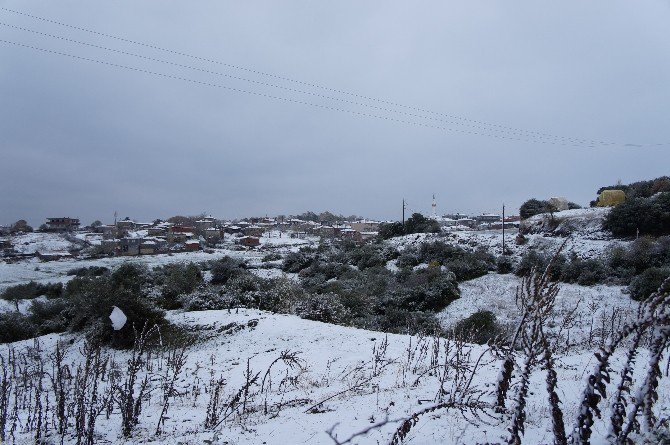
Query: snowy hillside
[(586, 223), (340, 379), (588, 306), (41, 242)]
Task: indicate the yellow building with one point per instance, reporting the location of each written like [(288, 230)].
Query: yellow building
[(610, 198)]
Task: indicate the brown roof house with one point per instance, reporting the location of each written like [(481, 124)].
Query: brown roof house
[(192, 245), (249, 241)]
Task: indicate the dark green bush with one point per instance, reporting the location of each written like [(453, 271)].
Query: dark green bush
[(205, 300), (504, 265), (325, 269), (467, 268), (593, 272), (325, 307), (369, 255), (179, 279), (31, 290), (426, 290), (15, 326), (92, 300), (401, 321), (479, 327), (271, 257), (225, 269), (586, 272), (294, 262), (50, 316), (531, 260), (408, 258), (92, 271), (465, 264), (648, 282), (390, 230), (625, 262), (651, 216), (642, 189), (417, 223), (534, 207)]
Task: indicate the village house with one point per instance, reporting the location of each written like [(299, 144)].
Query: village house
[(205, 223), (365, 226), (160, 229), (231, 229), (53, 256), (444, 221), (126, 224), (130, 246), (296, 224), (456, 216), (213, 235), (108, 231), (110, 246), (351, 234), (249, 241), (192, 245), (62, 224), (488, 218), (148, 247), (180, 234), (327, 231), (255, 231), (467, 222)]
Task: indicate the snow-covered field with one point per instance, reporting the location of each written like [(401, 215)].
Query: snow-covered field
[(586, 307), (348, 379), (41, 242), (56, 271)]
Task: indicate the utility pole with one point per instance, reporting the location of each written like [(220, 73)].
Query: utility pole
[(403, 215), (503, 229)]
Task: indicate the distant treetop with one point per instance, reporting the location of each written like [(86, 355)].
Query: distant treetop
[(325, 217)]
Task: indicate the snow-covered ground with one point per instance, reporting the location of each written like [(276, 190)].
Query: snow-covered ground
[(586, 307), (585, 223), (492, 241), (56, 271), (41, 242), (348, 379)]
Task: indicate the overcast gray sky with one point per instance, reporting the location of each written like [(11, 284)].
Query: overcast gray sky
[(82, 139)]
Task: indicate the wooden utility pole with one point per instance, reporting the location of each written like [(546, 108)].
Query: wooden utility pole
[(503, 229)]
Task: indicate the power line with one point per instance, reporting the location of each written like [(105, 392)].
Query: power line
[(531, 133), (270, 96), (294, 90), (296, 101)]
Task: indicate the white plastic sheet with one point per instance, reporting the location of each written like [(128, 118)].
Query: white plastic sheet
[(118, 318)]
